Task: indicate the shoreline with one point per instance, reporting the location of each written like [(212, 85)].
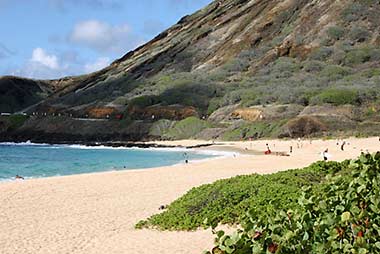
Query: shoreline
[(217, 154), (115, 144), (201, 149), (96, 213)]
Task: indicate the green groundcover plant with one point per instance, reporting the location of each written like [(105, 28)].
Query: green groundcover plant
[(342, 215), (226, 201)]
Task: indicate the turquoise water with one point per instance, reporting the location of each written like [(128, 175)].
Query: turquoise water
[(32, 161)]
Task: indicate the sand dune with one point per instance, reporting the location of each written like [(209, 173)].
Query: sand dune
[(96, 213)]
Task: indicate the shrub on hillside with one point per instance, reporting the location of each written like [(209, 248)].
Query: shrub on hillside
[(17, 120), (321, 54), (354, 11), (368, 95), (370, 73), (335, 32), (160, 127), (231, 98), (302, 127), (189, 94), (357, 56), (143, 101), (254, 130), (186, 128), (248, 97), (214, 104), (335, 72), (337, 97), (236, 65), (285, 67), (359, 34), (338, 56), (313, 66)]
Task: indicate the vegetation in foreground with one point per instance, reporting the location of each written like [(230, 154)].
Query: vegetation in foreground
[(324, 208), (226, 201), (341, 216)]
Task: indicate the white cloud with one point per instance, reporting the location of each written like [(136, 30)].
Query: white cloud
[(43, 65), (100, 63), (39, 56), (93, 33), (104, 37), (37, 71)]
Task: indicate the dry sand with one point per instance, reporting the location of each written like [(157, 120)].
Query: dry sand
[(96, 213)]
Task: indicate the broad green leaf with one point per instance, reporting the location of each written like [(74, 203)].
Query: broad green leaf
[(306, 236), (361, 188), (346, 216)]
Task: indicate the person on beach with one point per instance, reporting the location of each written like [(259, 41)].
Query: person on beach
[(342, 146), (162, 207), (291, 149), (325, 154), (268, 151), (299, 143)]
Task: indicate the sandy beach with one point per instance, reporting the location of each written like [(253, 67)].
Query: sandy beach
[(96, 213)]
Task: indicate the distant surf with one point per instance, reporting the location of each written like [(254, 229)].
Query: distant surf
[(43, 160)]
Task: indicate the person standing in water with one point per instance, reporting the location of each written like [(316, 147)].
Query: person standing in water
[(186, 157), (18, 177)]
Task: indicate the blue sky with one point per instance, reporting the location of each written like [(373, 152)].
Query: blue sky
[(53, 38)]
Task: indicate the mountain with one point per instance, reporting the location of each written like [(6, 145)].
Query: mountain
[(19, 93), (235, 69)]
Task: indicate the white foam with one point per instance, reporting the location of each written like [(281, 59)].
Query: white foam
[(209, 152), (13, 179), (27, 143), (162, 149)]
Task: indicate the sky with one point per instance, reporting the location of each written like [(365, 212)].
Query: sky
[(46, 39)]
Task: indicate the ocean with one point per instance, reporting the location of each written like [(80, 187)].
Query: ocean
[(42, 160)]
